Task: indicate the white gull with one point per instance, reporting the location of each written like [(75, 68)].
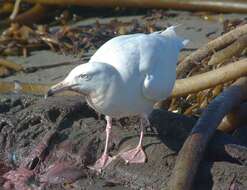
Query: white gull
[(126, 76)]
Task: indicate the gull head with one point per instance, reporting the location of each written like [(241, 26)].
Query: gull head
[(86, 79)]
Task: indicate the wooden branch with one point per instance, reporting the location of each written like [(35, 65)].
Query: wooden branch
[(37, 13), (210, 79), (230, 51), (166, 127), (194, 147), (221, 42), (192, 5), (235, 119)]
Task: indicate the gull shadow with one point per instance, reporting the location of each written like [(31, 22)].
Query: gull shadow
[(172, 129), (151, 144)]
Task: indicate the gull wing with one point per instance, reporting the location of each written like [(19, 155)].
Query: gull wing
[(158, 58)]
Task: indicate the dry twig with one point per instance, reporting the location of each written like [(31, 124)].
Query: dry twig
[(15, 10)]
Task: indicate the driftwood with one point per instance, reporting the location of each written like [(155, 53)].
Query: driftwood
[(210, 79), (227, 53), (221, 42), (194, 147), (37, 13), (235, 119), (192, 5)]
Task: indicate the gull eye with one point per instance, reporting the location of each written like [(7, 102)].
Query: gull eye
[(84, 76)]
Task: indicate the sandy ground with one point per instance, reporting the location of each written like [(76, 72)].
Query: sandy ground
[(79, 140)]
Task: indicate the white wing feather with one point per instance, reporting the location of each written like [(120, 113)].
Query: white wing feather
[(159, 63), (150, 57)]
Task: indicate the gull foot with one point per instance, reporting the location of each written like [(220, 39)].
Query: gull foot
[(101, 163), (136, 155)]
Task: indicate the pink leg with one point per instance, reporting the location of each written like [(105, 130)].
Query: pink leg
[(105, 159), (137, 155)]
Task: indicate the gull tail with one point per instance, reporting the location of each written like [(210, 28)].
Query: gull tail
[(170, 32)]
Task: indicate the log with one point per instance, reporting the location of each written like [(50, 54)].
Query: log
[(35, 14), (210, 79), (192, 5), (195, 145), (234, 49)]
